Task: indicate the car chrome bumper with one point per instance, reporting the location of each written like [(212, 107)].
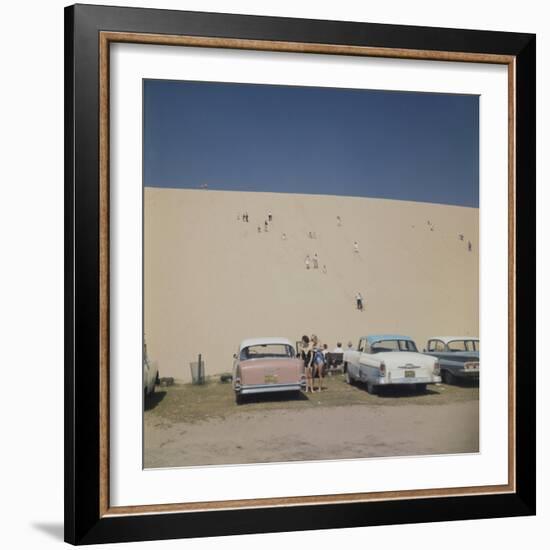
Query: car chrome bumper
[(410, 380), (268, 388)]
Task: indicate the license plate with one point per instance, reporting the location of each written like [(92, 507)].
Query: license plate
[(409, 374), (270, 378)]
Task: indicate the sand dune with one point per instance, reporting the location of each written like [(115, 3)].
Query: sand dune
[(211, 280)]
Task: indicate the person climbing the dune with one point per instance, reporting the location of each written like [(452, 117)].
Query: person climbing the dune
[(359, 300)]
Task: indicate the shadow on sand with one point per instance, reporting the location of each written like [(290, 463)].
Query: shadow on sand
[(153, 400), (464, 382), (275, 397), (404, 391)]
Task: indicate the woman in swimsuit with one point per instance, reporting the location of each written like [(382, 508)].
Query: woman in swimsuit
[(306, 354), (318, 362)]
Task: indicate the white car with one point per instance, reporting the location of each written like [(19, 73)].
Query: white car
[(390, 359), (150, 375)]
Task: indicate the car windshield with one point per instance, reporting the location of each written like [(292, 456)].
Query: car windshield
[(261, 351), (393, 345)]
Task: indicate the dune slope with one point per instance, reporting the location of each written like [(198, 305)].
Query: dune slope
[(211, 280)]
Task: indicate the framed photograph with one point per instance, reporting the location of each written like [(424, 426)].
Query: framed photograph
[(299, 274)]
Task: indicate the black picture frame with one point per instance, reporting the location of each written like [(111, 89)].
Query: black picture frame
[(84, 523)]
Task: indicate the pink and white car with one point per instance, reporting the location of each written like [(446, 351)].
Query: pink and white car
[(264, 365)]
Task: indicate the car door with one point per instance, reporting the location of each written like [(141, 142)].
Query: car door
[(461, 351), (436, 348), (356, 363)]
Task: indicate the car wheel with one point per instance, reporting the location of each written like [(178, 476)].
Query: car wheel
[(447, 377), (371, 388)]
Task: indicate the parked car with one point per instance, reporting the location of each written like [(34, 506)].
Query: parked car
[(458, 356), (150, 376), (389, 360), (264, 365)]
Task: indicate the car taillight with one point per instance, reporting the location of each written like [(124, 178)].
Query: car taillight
[(382, 369), (437, 368)]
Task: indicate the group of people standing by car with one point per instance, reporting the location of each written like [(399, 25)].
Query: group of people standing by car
[(311, 354), (314, 356)]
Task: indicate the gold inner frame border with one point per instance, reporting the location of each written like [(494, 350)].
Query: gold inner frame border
[(105, 39)]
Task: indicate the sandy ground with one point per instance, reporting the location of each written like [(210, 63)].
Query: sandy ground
[(380, 427), (211, 280)]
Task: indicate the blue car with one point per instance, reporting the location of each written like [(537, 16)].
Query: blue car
[(458, 357)]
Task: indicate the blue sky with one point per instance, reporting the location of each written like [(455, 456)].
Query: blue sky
[(248, 137)]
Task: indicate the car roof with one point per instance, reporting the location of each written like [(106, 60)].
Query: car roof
[(447, 339), (373, 338), (265, 340)]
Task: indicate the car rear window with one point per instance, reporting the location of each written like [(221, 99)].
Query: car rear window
[(458, 345), (393, 345), (262, 351)]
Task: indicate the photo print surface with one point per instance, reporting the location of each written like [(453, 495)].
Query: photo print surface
[(310, 273)]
